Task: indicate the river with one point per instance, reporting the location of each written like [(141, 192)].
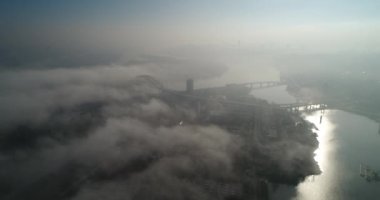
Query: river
[(346, 140)]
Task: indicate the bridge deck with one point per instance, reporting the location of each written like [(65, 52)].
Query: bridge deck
[(304, 106)]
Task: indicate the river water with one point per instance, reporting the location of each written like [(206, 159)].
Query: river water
[(346, 140)]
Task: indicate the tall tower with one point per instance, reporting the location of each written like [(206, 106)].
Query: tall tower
[(189, 85)]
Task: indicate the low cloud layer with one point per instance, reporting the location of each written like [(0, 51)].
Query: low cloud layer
[(110, 132), (84, 131)]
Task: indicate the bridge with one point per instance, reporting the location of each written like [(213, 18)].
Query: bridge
[(308, 107), (292, 107), (258, 84)]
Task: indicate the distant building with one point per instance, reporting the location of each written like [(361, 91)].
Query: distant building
[(189, 85)]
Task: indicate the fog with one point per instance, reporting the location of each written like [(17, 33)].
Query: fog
[(106, 132), (271, 34), (101, 120), (84, 111)]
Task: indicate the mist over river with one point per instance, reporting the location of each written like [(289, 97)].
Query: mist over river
[(346, 140)]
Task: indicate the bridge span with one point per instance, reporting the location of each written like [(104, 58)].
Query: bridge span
[(258, 84), (308, 107)]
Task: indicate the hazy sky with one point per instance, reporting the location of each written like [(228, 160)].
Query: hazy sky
[(119, 11), (95, 31)]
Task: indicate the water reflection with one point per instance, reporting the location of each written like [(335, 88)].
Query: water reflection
[(345, 141), (309, 190), (323, 138)]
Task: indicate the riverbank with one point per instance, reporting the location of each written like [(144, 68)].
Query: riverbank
[(279, 146), (346, 141), (359, 96)]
